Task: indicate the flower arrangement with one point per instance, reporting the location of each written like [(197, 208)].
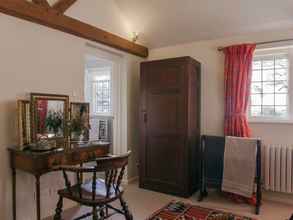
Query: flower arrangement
[(54, 121)]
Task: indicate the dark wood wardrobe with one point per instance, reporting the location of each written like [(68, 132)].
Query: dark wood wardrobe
[(170, 126)]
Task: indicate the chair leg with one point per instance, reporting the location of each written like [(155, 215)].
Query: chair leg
[(58, 211), (127, 213), (107, 211), (95, 214), (102, 214)]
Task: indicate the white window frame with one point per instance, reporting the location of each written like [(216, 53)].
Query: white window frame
[(289, 117)]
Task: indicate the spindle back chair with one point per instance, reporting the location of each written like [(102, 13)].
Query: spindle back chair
[(96, 193)]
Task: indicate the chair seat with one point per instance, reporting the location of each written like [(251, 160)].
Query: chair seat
[(100, 188), (84, 193)]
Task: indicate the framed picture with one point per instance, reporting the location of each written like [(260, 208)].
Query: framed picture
[(79, 121), (24, 122), (49, 117)]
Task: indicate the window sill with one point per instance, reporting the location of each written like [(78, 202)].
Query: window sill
[(270, 121), (102, 116)]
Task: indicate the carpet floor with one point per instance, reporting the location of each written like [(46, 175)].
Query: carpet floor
[(143, 203)]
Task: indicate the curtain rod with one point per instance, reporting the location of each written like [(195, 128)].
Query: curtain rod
[(264, 42)]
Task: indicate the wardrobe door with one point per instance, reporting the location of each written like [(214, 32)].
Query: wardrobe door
[(163, 126)]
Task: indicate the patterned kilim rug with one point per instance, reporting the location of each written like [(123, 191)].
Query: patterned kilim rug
[(183, 211)]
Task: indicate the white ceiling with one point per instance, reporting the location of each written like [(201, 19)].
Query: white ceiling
[(168, 22)]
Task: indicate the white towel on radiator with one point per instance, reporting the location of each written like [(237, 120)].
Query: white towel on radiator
[(239, 166)]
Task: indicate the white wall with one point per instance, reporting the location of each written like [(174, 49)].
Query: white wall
[(34, 58), (213, 83)]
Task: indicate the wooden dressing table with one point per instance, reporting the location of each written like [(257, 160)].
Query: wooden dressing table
[(40, 163)]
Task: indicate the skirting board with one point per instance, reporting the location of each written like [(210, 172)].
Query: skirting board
[(130, 180), (278, 197)]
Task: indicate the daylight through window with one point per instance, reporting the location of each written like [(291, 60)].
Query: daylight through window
[(101, 89), (269, 87)]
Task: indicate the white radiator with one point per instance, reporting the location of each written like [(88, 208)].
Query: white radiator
[(278, 168)]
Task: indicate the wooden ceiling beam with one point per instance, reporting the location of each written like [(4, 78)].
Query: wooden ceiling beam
[(42, 3), (63, 5), (50, 18)]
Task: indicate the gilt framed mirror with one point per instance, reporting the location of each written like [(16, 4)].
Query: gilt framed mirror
[(24, 124), (79, 121), (49, 117)]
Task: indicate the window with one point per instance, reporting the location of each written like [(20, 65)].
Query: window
[(99, 90), (105, 83), (270, 98)]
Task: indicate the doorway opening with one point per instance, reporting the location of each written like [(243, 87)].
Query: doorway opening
[(106, 91), (99, 93)]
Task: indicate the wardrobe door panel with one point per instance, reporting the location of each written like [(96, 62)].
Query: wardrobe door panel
[(164, 149), (164, 161)]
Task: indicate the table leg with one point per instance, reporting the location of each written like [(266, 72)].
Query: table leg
[(81, 175), (14, 193), (38, 199)]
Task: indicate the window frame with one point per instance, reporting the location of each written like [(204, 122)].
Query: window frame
[(275, 119), (90, 87)]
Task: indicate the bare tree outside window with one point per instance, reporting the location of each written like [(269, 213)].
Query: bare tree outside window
[(269, 86)]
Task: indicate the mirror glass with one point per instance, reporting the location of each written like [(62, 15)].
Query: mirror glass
[(50, 118), (80, 121), (50, 115)]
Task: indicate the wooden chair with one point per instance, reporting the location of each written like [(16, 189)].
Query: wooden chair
[(96, 193)]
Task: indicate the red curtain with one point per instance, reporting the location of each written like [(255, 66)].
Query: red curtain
[(238, 71)]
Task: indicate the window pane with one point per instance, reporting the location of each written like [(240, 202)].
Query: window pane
[(268, 99), (281, 111), (268, 75), (256, 75), (268, 87), (268, 110), (281, 74), (268, 64), (256, 99), (281, 87), (256, 88), (256, 65), (281, 63), (281, 99), (255, 111), (103, 96)]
